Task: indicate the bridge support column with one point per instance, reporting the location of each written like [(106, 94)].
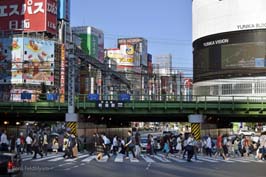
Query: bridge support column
[(72, 123), (196, 120)]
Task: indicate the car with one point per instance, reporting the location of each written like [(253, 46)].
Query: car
[(10, 165), (246, 132), (143, 143)]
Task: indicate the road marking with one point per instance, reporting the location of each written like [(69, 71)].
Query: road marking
[(56, 159), (89, 159), (26, 159), (148, 167), (45, 158), (240, 160), (79, 157), (221, 160), (119, 158), (176, 159), (161, 159), (64, 164), (147, 159), (132, 159), (208, 160)]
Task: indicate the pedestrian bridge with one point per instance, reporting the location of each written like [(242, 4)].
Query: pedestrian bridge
[(248, 107)]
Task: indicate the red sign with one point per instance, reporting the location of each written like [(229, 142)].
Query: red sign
[(62, 74), (28, 15)]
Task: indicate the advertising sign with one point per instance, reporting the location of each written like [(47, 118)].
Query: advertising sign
[(11, 51), (63, 10), (28, 15), (38, 63), (92, 41), (213, 17), (137, 47), (62, 75)]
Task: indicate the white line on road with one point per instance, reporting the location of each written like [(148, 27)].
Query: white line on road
[(45, 158), (119, 158), (147, 159), (79, 157), (162, 159), (89, 159)]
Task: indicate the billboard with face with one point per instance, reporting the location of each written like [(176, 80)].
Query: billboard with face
[(137, 47), (28, 15)]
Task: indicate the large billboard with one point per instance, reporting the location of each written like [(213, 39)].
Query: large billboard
[(230, 55), (63, 10), (26, 60), (213, 16), (38, 63), (135, 46), (11, 58), (92, 41), (28, 15)]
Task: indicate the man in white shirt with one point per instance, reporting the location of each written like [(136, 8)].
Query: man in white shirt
[(4, 142), (209, 146), (29, 142)]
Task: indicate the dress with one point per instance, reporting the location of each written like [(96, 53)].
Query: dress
[(179, 144)]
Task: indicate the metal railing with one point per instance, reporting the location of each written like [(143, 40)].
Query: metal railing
[(79, 98)]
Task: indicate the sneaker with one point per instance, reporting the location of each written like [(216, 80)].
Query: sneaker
[(127, 158)]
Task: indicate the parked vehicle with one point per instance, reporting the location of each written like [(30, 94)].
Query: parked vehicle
[(10, 164), (143, 144), (246, 132)]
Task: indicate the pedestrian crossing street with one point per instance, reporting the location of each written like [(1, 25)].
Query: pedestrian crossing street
[(120, 158)]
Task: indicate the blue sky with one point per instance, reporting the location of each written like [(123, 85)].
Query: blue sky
[(166, 24)]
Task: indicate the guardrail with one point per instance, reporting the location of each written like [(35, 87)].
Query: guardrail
[(55, 97)]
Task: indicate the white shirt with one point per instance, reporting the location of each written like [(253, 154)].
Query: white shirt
[(4, 139), (209, 143), (28, 140), (115, 142)]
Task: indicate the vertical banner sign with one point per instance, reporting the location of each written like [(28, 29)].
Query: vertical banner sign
[(195, 130), (71, 83), (62, 74)]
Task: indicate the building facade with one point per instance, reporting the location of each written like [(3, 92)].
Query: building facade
[(229, 41)]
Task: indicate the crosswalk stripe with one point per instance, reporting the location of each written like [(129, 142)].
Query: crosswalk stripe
[(26, 159), (90, 158), (132, 159), (161, 159), (56, 159), (45, 158), (240, 160), (119, 158), (147, 158), (176, 159), (221, 160), (78, 157), (207, 160)]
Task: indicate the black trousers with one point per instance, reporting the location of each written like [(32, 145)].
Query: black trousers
[(190, 150), (131, 148), (37, 151)]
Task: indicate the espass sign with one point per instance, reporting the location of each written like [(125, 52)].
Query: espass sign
[(28, 15)]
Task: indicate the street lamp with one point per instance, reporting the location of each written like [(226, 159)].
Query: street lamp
[(6, 123), (17, 123)]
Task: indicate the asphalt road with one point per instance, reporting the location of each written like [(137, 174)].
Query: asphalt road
[(54, 166)]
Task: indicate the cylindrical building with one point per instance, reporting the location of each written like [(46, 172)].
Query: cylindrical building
[(229, 41)]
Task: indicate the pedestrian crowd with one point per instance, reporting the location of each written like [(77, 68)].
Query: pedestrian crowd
[(180, 146)]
